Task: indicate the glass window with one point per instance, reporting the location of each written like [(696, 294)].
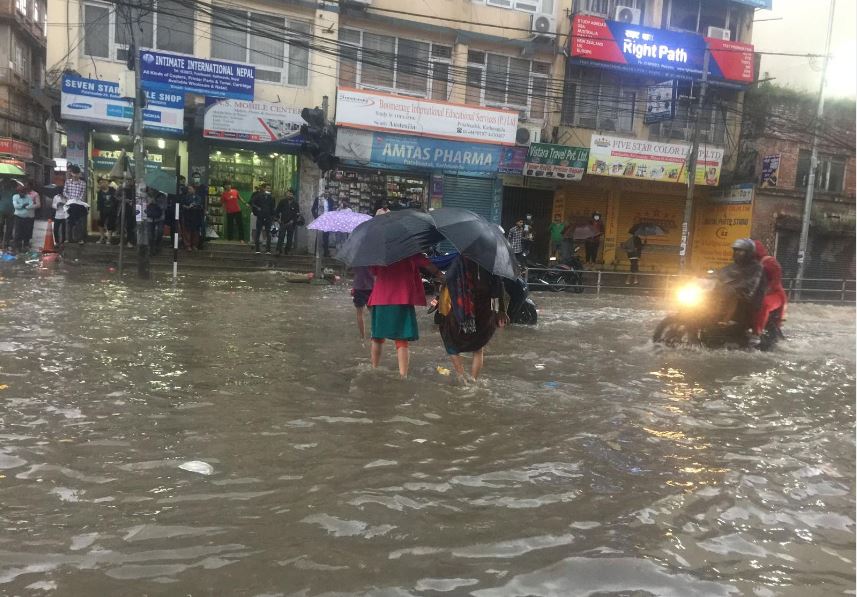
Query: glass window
[(21, 5), (175, 26), (96, 21), (496, 78), (348, 57), (440, 81), (713, 15), (684, 14), (519, 82), (377, 63), (228, 36), (299, 53), (134, 22), (539, 99), (595, 99), (267, 47), (412, 65), (473, 93)]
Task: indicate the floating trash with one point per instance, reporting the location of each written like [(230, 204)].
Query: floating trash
[(550, 385), (540, 366), (197, 466), (444, 371)]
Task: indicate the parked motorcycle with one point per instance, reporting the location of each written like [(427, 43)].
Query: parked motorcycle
[(559, 276), (699, 319)]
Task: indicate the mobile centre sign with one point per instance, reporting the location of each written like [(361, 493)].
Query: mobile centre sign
[(99, 102), (382, 112), (256, 122), (181, 73), (658, 52)]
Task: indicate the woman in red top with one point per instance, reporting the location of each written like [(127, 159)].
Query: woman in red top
[(775, 294), (230, 200), (398, 287)]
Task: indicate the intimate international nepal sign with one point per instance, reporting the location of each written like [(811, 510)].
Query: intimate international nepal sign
[(167, 71), (650, 160), (256, 122), (98, 101), (634, 48), (382, 112), (380, 149)]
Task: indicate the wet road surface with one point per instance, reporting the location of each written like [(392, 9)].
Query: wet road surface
[(587, 462)]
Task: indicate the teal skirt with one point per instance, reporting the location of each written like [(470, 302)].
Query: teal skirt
[(395, 322)]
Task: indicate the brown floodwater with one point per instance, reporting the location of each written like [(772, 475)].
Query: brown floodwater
[(227, 437)]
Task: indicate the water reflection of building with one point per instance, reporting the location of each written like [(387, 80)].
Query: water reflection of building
[(775, 154)]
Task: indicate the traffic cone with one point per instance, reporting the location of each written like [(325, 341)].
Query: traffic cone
[(49, 239)]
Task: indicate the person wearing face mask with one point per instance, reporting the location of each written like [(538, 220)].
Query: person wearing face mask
[(262, 205), (592, 244), (528, 236)]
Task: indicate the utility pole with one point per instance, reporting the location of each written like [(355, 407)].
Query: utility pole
[(813, 160), (691, 167), (318, 277), (139, 169)]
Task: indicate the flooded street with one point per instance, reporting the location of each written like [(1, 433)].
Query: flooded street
[(586, 462)]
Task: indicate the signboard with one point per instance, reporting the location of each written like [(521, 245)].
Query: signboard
[(256, 122), (18, 149), (556, 161), (740, 193), (380, 149), (376, 111), (718, 225), (181, 73), (660, 102), (770, 171), (97, 101), (512, 160), (647, 50), (650, 160)]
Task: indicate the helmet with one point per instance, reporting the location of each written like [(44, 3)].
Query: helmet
[(744, 244)]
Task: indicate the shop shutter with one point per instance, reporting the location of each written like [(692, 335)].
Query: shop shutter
[(475, 194), (830, 259)]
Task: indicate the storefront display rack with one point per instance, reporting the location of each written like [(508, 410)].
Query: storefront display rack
[(363, 190)]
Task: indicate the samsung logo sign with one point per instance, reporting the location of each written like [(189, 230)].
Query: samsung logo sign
[(79, 106)]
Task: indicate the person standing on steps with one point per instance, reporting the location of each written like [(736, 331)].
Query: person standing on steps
[(556, 229), (231, 201), (25, 217), (262, 205), (7, 212), (593, 243), (74, 192), (191, 216), (288, 213), (516, 237), (107, 206), (60, 219), (321, 205), (633, 247)]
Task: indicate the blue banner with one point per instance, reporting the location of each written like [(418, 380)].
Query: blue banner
[(434, 154), (180, 73)]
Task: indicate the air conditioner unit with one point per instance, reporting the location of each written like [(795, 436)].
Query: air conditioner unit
[(543, 25), (526, 135), (718, 33), (627, 15)]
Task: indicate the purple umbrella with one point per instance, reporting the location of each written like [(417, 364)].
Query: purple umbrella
[(343, 220)]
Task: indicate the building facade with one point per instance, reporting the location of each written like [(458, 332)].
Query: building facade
[(775, 157), (24, 114)]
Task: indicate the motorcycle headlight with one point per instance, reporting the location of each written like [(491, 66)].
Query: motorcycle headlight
[(689, 295)]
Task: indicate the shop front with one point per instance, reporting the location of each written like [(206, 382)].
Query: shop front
[(247, 144)]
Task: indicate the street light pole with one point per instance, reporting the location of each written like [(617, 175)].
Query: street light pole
[(813, 160), (691, 167)]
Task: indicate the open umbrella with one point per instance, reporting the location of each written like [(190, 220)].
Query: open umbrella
[(477, 239), (389, 238), (646, 229), (161, 180), (585, 232), (11, 170), (343, 220)]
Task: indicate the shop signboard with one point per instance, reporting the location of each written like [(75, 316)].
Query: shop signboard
[(383, 112), (560, 162), (99, 102), (646, 50), (660, 101), (106, 159), (512, 160), (770, 171), (182, 73), (16, 148), (650, 160), (720, 221), (256, 122), (379, 149)]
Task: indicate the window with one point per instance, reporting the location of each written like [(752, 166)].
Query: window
[(257, 38), (605, 8), (598, 99), (110, 30), (712, 121), (697, 16), (506, 82), (406, 66), (21, 5), (531, 6), (21, 57), (829, 176)]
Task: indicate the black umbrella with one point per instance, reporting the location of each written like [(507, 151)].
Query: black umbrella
[(646, 229), (477, 239), (585, 232), (389, 238)]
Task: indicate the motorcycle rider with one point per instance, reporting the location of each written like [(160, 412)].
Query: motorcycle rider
[(742, 286), (775, 294)]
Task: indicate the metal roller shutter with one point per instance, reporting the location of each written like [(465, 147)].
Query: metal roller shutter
[(475, 194)]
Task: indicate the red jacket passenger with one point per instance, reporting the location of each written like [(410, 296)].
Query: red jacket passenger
[(775, 296)]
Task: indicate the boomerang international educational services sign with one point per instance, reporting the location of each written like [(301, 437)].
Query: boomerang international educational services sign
[(181, 73), (658, 52)]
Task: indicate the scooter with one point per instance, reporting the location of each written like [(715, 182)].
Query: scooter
[(699, 319), (560, 276)]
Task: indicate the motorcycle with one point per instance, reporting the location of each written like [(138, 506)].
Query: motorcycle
[(707, 316), (566, 276)]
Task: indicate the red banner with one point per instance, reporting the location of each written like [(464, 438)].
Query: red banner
[(18, 149)]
